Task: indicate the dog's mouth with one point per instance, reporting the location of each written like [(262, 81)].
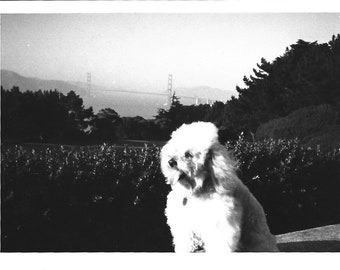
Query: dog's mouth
[(182, 176), (186, 181)]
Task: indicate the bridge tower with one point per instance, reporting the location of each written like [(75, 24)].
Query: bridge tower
[(88, 83), (197, 100), (170, 89)]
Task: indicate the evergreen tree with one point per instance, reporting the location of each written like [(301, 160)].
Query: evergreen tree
[(307, 74)]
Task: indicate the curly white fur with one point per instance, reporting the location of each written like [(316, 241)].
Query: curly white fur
[(209, 208)]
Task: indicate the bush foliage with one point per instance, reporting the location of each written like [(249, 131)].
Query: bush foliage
[(101, 198), (309, 124), (298, 187), (112, 198)]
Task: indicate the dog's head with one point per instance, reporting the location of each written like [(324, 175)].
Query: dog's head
[(195, 159)]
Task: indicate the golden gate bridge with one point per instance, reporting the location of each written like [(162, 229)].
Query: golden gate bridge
[(168, 93)]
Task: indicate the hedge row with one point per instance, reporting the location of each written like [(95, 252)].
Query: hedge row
[(298, 187), (111, 198), (101, 198)]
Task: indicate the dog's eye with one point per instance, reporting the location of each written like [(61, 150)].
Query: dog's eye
[(172, 163), (187, 154)]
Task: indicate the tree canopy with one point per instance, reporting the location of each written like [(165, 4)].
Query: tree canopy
[(42, 116)]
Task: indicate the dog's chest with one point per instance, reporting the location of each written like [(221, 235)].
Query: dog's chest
[(200, 214)]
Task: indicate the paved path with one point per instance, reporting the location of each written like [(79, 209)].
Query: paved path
[(320, 239)]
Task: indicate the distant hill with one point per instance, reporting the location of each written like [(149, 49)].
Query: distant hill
[(125, 104), (10, 79)]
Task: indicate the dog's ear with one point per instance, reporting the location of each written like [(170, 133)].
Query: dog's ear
[(222, 168)]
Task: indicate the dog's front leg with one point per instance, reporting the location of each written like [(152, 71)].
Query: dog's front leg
[(221, 242), (183, 245), (223, 236), (183, 240)]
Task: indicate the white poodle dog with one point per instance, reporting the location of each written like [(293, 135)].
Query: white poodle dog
[(209, 208)]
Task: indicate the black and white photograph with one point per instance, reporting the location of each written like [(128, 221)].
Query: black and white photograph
[(170, 132)]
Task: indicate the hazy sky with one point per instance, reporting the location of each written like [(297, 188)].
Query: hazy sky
[(140, 50)]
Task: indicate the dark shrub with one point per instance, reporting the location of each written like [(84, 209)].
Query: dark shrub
[(298, 187), (314, 125), (112, 198), (101, 198)]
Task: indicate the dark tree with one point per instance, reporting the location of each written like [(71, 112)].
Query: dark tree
[(178, 114), (104, 125), (43, 116)]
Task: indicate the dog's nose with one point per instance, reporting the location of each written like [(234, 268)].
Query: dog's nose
[(172, 163)]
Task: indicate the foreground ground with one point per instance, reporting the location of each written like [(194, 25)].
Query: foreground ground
[(320, 239)]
